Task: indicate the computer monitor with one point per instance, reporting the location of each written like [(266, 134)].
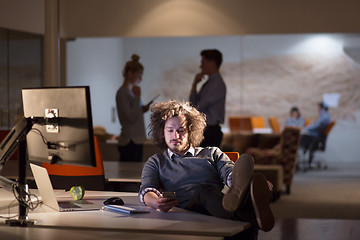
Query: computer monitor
[(57, 125), (62, 131)]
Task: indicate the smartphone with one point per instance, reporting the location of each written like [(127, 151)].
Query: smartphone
[(170, 195)]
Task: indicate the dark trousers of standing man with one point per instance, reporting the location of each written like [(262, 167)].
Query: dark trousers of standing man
[(131, 152), (212, 136)]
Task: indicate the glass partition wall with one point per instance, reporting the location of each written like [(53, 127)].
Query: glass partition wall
[(20, 67)]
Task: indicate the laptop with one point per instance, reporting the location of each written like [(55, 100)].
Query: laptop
[(48, 197)]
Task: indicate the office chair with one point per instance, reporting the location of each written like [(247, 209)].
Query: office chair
[(274, 124), (257, 122), (319, 144), (237, 123), (233, 155)]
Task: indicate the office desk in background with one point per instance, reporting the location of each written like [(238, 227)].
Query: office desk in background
[(123, 176), (123, 171), (178, 221)]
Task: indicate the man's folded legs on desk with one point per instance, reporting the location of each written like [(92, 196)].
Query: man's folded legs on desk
[(249, 195)]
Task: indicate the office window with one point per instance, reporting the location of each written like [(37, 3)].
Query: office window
[(20, 67)]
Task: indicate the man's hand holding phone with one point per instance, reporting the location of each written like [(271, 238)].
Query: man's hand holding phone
[(169, 195), (166, 201)]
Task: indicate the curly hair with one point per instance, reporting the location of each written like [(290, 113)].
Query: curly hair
[(162, 111)]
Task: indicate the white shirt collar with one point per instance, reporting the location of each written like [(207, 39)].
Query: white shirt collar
[(191, 151)]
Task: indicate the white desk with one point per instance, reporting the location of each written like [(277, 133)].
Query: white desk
[(39, 233), (178, 221)]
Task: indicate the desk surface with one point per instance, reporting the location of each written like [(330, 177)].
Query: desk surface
[(38, 233), (178, 221)]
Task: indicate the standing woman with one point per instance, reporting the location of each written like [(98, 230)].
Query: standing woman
[(131, 112)]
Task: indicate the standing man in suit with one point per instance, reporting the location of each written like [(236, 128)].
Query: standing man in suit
[(210, 99)]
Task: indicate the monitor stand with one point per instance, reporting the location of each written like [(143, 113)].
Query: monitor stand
[(21, 188)]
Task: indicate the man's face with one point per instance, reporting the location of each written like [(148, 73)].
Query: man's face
[(206, 65), (176, 135)]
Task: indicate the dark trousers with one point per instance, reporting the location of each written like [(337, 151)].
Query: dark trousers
[(212, 136), (131, 152), (309, 143), (207, 199), (305, 142)]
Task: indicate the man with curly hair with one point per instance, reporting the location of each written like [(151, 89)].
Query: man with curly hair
[(198, 175)]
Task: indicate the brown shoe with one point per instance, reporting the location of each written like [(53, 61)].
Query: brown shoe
[(260, 197), (240, 182)]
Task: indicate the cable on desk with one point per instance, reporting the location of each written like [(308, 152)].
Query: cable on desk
[(9, 207), (24, 201)]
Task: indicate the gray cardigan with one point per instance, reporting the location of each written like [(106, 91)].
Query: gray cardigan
[(131, 117)]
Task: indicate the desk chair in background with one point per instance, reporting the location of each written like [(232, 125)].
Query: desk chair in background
[(319, 144), (66, 176), (274, 124), (257, 122), (238, 123), (246, 123)]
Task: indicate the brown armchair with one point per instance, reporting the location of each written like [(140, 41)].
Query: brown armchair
[(284, 154)]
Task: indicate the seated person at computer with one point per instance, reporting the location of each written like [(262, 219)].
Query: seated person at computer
[(295, 119), (197, 175), (311, 133)]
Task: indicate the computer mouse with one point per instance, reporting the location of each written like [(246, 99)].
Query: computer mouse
[(114, 201)]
